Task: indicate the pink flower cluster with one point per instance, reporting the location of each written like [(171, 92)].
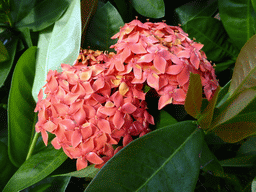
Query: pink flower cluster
[(89, 109), (99, 101), (162, 56)]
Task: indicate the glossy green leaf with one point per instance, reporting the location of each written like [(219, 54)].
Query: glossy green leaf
[(210, 32), (223, 95), (149, 8), (105, 23), (244, 75), (88, 172), (3, 53), (5, 67), (21, 105), (36, 168), (207, 115), (155, 162), (58, 45), (21, 8), (44, 14), (209, 162), (165, 119), (194, 9), (193, 100), (239, 20)]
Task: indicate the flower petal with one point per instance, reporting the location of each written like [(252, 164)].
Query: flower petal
[(128, 108), (81, 163), (104, 126), (93, 158)]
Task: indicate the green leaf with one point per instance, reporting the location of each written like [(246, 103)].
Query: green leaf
[(193, 100), (88, 172), (44, 14), (26, 36), (244, 75), (165, 119), (223, 95), (210, 32), (254, 185), (224, 65), (244, 161), (19, 9), (105, 23), (36, 168), (149, 8), (58, 45), (3, 53), (5, 67), (248, 147), (239, 20), (155, 162), (21, 105), (194, 9)]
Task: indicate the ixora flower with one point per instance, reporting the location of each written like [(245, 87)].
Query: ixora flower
[(162, 56), (90, 108)]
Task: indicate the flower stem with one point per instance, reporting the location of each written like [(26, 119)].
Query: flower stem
[(32, 146)]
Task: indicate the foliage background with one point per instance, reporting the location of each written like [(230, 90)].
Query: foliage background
[(40, 35)]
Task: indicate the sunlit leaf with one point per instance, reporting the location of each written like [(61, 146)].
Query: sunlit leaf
[(58, 45), (20, 107), (193, 100), (149, 8), (244, 75), (36, 168), (166, 159)]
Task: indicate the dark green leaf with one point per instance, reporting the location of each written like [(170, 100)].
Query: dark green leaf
[(26, 36), (194, 9), (149, 8), (248, 147), (166, 159), (36, 168), (105, 23), (20, 107), (3, 53), (44, 14), (193, 100), (88, 172), (244, 161), (165, 119), (5, 67), (57, 45), (210, 32), (224, 65), (244, 75), (223, 95), (19, 9), (239, 20)]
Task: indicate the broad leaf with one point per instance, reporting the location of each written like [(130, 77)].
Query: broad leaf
[(58, 45), (193, 100), (248, 147), (239, 20), (105, 23), (194, 9), (21, 117), (210, 32), (155, 162), (165, 119), (223, 95), (224, 65), (3, 53), (244, 75), (253, 188), (36, 168), (149, 8), (88, 172), (243, 161), (44, 14)]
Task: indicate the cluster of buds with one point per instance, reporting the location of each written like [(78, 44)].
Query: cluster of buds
[(99, 102)]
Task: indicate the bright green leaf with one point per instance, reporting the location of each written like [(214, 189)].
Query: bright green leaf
[(105, 23), (155, 162), (58, 45), (210, 32), (244, 75), (239, 20), (44, 14), (193, 100), (194, 9), (20, 107), (3, 53), (36, 168), (88, 172), (149, 8)]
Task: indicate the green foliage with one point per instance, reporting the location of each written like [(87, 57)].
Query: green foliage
[(162, 156)]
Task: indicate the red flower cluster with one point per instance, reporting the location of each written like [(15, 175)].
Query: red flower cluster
[(98, 101), (89, 109), (163, 56)]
